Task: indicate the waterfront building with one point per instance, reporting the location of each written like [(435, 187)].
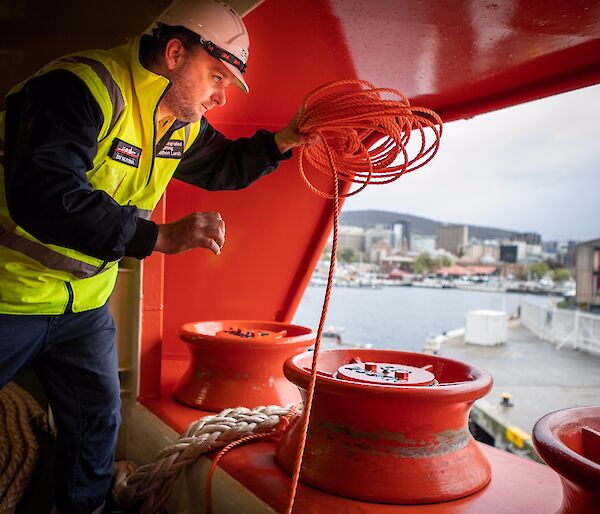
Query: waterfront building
[(467, 271), (379, 250), (397, 236), (353, 238), (401, 236), (453, 271), (477, 251), (534, 253), (452, 237), (471, 252), (377, 233), (397, 262), (587, 274), (483, 271), (508, 253), (531, 238), (514, 251), (566, 253), (422, 243)]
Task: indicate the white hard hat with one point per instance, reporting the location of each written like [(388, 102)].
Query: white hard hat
[(220, 28)]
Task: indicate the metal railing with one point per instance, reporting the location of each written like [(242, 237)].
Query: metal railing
[(563, 327)]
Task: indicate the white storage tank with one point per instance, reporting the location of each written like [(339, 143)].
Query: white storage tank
[(486, 327)]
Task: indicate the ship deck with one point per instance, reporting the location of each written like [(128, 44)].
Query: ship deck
[(517, 483), (540, 378)]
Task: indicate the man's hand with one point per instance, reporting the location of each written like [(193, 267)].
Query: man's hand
[(197, 230), (289, 137)]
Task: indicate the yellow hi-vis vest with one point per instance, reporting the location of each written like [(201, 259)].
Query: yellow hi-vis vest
[(39, 278)]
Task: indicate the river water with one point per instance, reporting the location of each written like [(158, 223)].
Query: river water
[(400, 318)]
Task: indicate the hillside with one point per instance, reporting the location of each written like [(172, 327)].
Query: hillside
[(418, 225)]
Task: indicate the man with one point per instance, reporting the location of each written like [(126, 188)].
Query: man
[(90, 143)]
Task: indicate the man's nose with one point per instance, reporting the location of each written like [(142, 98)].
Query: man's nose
[(219, 97)]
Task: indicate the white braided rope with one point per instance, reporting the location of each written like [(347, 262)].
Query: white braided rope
[(153, 483)]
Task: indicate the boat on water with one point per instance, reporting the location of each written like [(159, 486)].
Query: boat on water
[(334, 333), (434, 283), (461, 60)]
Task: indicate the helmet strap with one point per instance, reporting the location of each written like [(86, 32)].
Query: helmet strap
[(223, 55)]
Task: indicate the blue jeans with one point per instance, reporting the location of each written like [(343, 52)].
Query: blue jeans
[(75, 357)]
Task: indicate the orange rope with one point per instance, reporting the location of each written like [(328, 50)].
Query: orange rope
[(363, 139), (364, 136)]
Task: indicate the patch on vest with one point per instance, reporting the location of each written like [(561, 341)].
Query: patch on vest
[(173, 149), (125, 153)]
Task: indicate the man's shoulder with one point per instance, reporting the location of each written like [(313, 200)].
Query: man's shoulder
[(100, 61), (52, 83)]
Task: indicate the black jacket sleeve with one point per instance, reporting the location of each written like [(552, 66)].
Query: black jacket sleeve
[(51, 132), (216, 163)]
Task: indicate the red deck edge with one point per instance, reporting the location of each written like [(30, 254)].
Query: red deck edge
[(517, 485)]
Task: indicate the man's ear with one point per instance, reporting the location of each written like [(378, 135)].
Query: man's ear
[(173, 53)]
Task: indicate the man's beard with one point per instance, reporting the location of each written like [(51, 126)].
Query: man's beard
[(176, 98)]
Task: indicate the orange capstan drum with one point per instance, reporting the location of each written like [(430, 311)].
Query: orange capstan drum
[(239, 363), (388, 426), (569, 442)]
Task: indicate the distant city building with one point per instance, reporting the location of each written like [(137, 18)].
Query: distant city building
[(521, 249), (491, 251), (353, 238), (549, 251), (420, 244), (376, 234), (397, 236), (533, 253), (476, 250), (401, 236), (509, 253), (462, 271), (587, 274), (531, 238), (561, 252), (397, 262), (550, 247), (379, 250), (452, 237), (566, 254)]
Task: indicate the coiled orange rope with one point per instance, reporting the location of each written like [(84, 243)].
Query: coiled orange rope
[(366, 136), (363, 139)]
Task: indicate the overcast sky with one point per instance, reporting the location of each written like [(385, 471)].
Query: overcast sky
[(533, 167)]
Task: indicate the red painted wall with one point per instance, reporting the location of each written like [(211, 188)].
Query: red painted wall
[(276, 227), (456, 61)]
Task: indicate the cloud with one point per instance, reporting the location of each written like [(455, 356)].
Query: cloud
[(534, 166)]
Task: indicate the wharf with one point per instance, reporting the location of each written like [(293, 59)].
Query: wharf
[(539, 378)]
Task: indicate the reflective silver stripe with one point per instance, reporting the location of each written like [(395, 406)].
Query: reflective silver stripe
[(186, 134), (114, 91), (46, 256), (143, 213)]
